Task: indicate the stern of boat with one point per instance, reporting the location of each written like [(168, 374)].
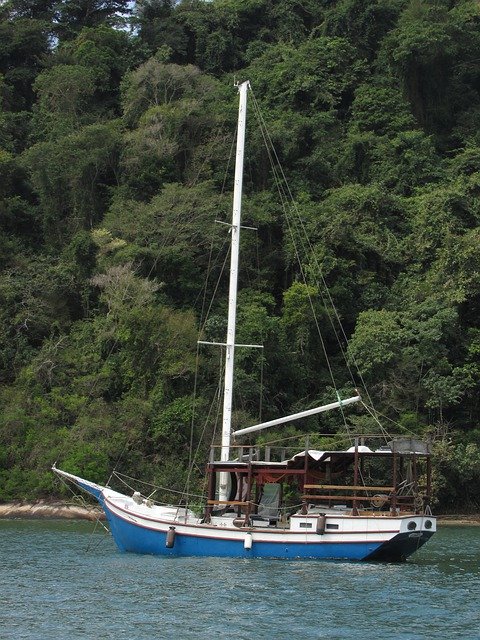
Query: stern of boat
[(413, 533)]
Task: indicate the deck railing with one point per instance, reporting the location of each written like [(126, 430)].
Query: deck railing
[(377, 497)]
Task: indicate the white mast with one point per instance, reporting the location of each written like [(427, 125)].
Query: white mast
[(232, 296)]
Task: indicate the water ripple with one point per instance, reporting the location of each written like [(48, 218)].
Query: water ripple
[(60, 580)]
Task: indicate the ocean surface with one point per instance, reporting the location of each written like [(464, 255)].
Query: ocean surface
[(66, 580)]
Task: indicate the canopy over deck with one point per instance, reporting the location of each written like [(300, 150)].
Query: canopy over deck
[(317, 459)]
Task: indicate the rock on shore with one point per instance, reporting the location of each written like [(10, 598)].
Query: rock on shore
[(47, 509)]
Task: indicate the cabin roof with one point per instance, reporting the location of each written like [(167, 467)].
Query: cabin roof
[(317, 458)]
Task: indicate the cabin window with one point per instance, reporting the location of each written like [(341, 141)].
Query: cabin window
[(305, 525), (332, 526)]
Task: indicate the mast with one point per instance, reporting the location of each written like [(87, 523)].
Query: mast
[(232, 295)]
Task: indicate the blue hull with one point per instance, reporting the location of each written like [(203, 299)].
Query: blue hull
[(139, 538)]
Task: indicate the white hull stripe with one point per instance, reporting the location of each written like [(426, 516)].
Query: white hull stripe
[(260, 535)]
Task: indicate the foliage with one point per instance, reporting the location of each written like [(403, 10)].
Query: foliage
[(457, 474), (116, 139), (71, 176)]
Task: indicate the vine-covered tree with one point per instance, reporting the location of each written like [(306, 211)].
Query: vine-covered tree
[(117, 124), (73, 15)]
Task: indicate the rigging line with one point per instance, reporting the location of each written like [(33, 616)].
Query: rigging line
[(217, 285), (215, 403), (206, 422), (83, 503), (118, 461), (260, 404), (286, 194), (210, 269), (262, 337), (197, 360), (317, 325), (279, 183), (307, 239), (269, 145), (372, 412), (340, 325), (90, 546), (200, 440), (122, 476), (397, 424), (193, 456), (192, 423), (204, 297), (328, 298), (319, 270), (219, 393), (284, 181), (368, 493), (178, 223), (232, 146), (339, 438)]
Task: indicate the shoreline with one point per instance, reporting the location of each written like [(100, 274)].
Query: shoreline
[(49, 510), (466, 519), (63, 510)]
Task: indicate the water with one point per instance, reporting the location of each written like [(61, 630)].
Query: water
[(60, 580)]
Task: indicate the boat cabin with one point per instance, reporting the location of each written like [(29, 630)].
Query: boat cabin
[(266, 488)]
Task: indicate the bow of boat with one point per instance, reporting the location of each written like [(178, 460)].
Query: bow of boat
[(94, 489)]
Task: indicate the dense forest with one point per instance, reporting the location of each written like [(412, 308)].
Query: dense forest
[(117, 121)]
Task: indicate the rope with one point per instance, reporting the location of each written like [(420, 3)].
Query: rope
[(122, 476), (90, 546), (373, 413), (203, 320), (286, 194), (330, 308), (78, 498), (117, 462)]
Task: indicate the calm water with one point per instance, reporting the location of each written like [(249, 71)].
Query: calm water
[(61, 580)]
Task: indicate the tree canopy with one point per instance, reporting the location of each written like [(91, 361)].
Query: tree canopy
[(117, 123)]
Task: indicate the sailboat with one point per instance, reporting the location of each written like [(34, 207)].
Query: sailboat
[(313, 504)]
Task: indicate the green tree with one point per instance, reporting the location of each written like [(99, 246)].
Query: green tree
[(159, 29), (64, 95), (73, 15), (168, 237), (71, 176), (410, 354), (31, 9), (23, 44), (108, 54), (364, 23), (428, 38)]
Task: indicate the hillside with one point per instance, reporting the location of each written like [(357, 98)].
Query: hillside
[(116, 130)]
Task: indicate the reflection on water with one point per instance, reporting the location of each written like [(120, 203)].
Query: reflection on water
[(61, 580)]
